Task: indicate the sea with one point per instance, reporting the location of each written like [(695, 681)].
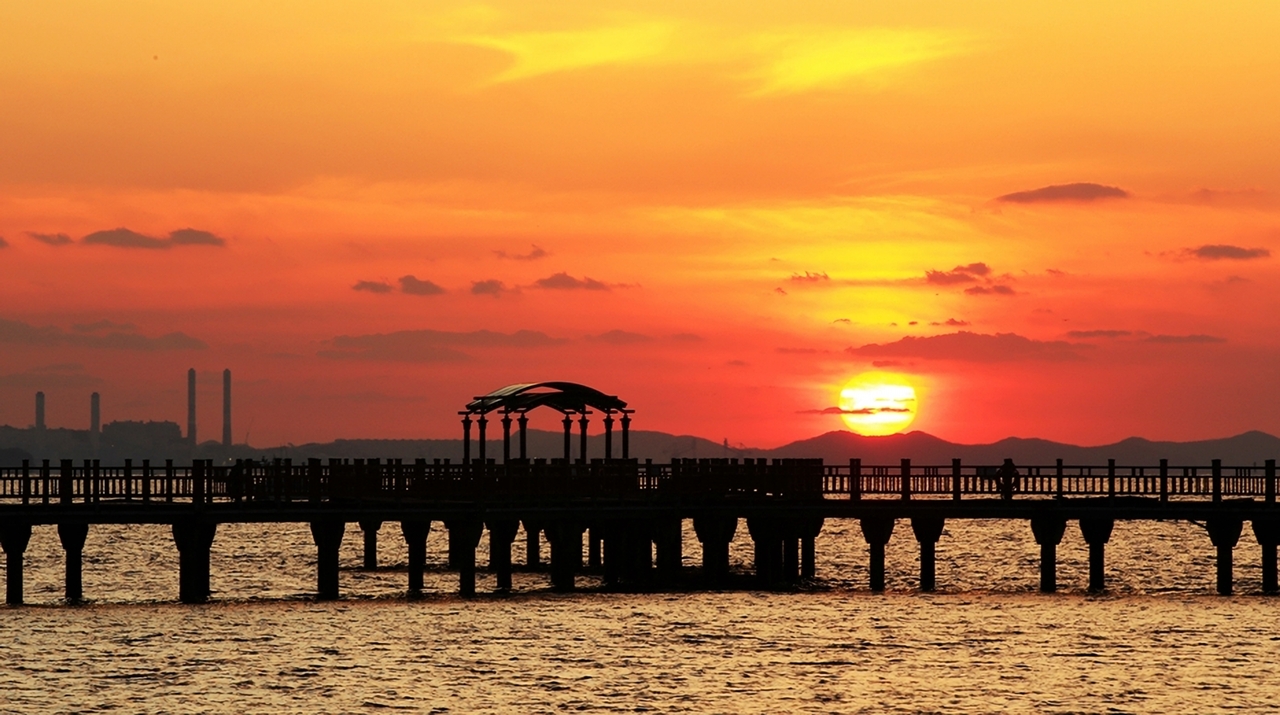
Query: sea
[(1158, 641)]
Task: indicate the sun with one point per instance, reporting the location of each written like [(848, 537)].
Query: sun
[(877, 403)]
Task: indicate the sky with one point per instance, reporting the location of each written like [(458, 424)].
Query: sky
[(1054, 221)]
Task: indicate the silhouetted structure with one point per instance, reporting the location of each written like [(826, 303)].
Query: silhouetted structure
[(226, 408), (191, 406), (567, 398)]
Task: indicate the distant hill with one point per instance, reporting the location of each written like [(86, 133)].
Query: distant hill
[(834, 447)]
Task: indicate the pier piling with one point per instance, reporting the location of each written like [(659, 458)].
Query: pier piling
[(1225, 533), (1048, 531), (194, 539), (370, 529), (809, 530), (566, 553), (1267, 532), (502, 534), (928, 529), (1097, 532), (876, 530), (14, 538), (328, 537), (415, 538), (532, 545), (464, 537), (715, 533), (766, 536), (73, 535), (668, 538)]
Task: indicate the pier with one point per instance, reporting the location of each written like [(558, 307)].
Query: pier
[(625, 515)]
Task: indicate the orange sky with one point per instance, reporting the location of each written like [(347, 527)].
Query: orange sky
[(719, 213)]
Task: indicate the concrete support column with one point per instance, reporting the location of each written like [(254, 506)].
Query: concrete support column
[(928, 529), (328, 537), (877, 530), (1097, 532), (370, 529), (415, 538), (1267, 532), (502, 533), (810, 528), (715, 533), (1225, 533), (464, 537), (73, 535), (194, 539), (767, 537), (566, 553), (669, 539), (532, 545), (14, 538), (1048, 531), (593, 547)]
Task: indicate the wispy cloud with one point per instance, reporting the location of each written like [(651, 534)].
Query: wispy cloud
[(1185, 339), (973, 347), (534, 254), (959, 274), (534, 54), (492, 286), (564, 281), (372, 286), (1222, 251), (15, 332), (1082, 191), (50, 239), (413, 285), (125, 238)]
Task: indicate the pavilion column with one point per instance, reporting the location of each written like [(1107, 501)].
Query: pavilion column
[(506, 437), (568, 438), (483, 424), (466, 439), (524, 434), (626, 436), (582, 437), (608, 435)]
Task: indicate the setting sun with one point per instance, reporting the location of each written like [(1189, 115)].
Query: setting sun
[(875, 404)]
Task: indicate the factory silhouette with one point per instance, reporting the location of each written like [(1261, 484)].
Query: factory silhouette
[(121, 438)]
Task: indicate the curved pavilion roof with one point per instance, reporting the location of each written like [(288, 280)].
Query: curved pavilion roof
[(562, 396)]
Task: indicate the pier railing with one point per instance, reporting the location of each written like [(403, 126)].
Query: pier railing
[(285, 481)]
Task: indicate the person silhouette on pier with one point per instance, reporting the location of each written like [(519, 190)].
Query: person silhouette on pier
[(1007, 479)]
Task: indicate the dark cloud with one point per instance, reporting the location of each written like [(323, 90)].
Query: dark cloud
[(1065, 192), (687, 338), (990, 290), (859, 411), (51, 239), (959, 274), (100, 325), (736, 363), (62, 375), (372, 286), (779, 291), (429, 345), (887, 363), (846, 321), (972, 347), (798, 351), (1220, 251), (534, 254), (18, 333), (415, 286), (619, 337), (3, 243), (493, 287), (952, 322), (564, 281), (808, 277), (1184, 339), (1086, 334), (125, 238)]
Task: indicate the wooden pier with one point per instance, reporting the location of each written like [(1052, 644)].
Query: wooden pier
[(627, 510)]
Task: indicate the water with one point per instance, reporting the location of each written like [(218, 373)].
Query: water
[(1158, 642)]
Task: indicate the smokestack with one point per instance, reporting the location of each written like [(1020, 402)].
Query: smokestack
[(95, 420), (40, 410), (226, 408), (191, 406)]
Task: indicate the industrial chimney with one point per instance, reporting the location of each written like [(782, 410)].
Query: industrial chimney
[(191, 406), (226, 408), (40, 410), (95, 420)]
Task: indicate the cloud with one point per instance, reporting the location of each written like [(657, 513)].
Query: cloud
[(859, 411), (51, 239), (1184, 339), (965, 346), (429, 345), (61, 375), (1217, 252), (372, 286), (1086, 334), (736, 363), (990, 290), (1065, 192), (888, 363), (619, 337), (99, 325), (959, 274), (798, 351), (534, 254), (15, 332), (846, 321), (952, 322), (564, 281), (414, 286), (540, 53), (125, 238), (3, 243), (493, 287), (808, 277)]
